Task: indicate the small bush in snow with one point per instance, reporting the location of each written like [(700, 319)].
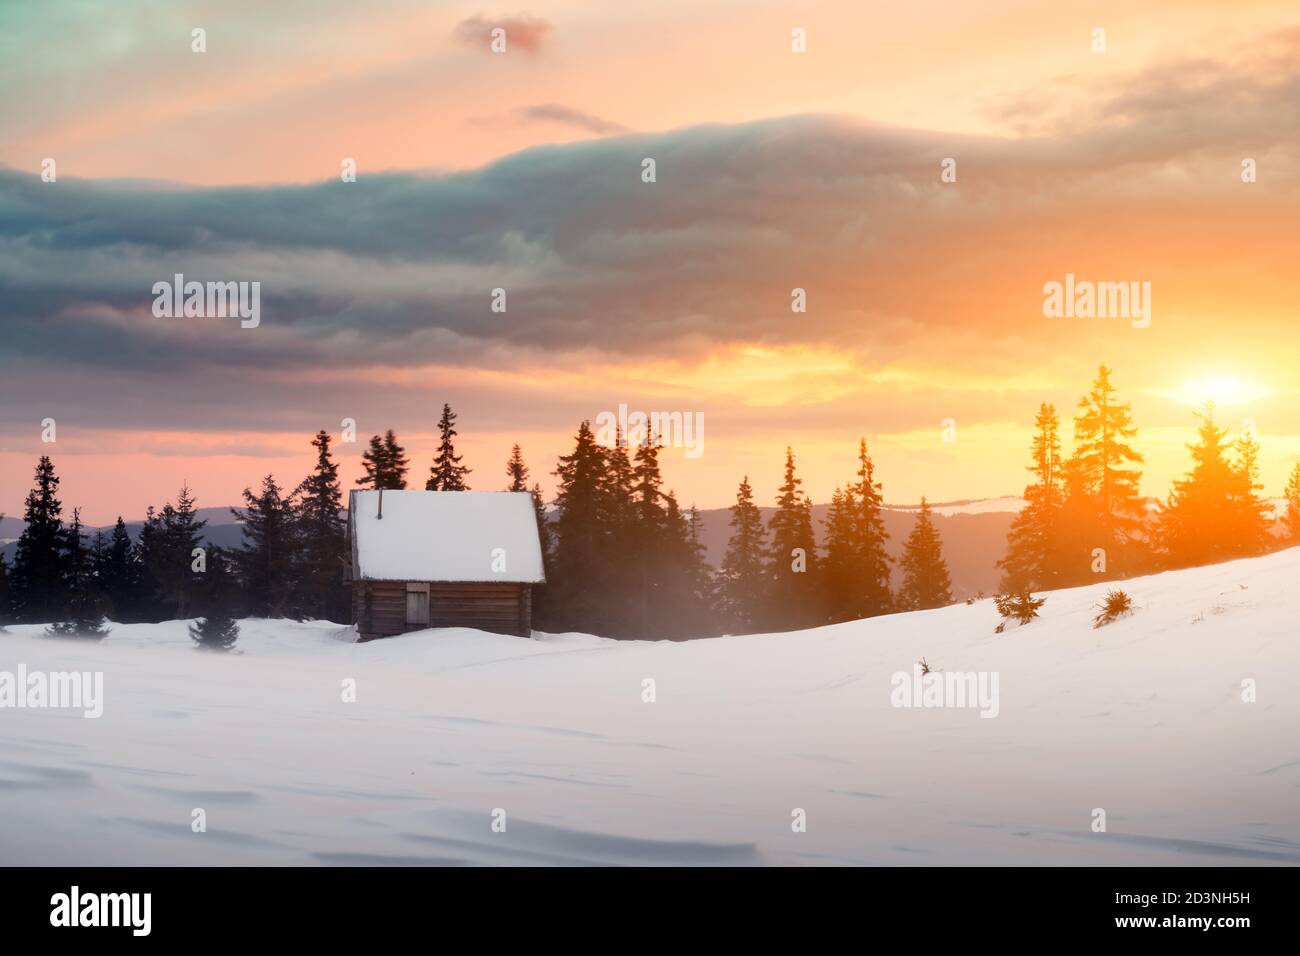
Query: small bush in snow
[(925, 666), (1116, 605), (214, 633), (1021, 607)]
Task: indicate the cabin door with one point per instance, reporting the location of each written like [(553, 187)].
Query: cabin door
[(417, 604)]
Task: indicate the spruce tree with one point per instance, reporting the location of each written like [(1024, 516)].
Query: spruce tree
[(1253, 512), (925, 574), (703, 580), (1105, 459), (322, 537), (85, 615), (183, 535), (516, 470), (578, 594), (214, 632), (647, 496), (743, 578), (447, 473), (266, 562), (619, 484), (120, 575), (871, 562), (395, 463), (1203, 520), (37, 579), (167, 544), (1291, 519), (543, 524), (1033, 543), (838, 559), (149, 555), (651, 552), (518, 473), (384, 463), (216, 629), (792, 554), (372, 464)]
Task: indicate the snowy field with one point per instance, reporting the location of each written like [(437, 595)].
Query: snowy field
[(1143, 718)]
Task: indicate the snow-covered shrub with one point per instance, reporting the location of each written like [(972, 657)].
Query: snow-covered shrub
[(1117, 605), (1021, 607)]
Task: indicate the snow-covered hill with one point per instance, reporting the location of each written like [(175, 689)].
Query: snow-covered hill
[(1143, 718)]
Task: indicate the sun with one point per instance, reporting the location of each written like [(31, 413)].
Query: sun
[(1224, 391)]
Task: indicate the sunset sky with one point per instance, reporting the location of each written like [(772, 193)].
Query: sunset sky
[(522, 170)]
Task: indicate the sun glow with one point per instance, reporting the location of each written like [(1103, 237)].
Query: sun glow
[(1223, 390)]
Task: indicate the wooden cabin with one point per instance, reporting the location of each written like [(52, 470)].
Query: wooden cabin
[(424, 559)]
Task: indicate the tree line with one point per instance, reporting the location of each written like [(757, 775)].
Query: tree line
[(625, 559), (1084, 519)]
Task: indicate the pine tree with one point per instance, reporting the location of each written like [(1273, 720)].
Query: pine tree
[(1202, 520), (1102, 455), (578, 594), (384, 462), (839, 559), (322, 537), (792, 555), (925, 574), (149, 552), (372, 464), (543, 526), (647, 494), (214, 633), (701, 577), (37, 579), (168, 541), (266, 563), (447, 473), (1291, 520), (871, 593), (516, 470), (1033, 543), (1253, 512), (518, 473), (85, 615), (120, 575), (652, 545), (1074, 537), (216, 629), (743, 578), (619, 488), (395, 463)]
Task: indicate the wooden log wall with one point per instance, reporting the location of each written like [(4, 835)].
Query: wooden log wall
[(379, 607)]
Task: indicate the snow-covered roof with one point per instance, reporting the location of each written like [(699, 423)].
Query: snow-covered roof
[(445, 536)]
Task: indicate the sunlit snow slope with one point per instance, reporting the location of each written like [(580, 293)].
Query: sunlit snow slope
[(1143, 718)]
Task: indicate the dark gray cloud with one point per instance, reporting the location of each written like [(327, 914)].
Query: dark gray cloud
[(396, 270)]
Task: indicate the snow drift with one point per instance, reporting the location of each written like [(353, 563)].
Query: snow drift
[(1144, 719)]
